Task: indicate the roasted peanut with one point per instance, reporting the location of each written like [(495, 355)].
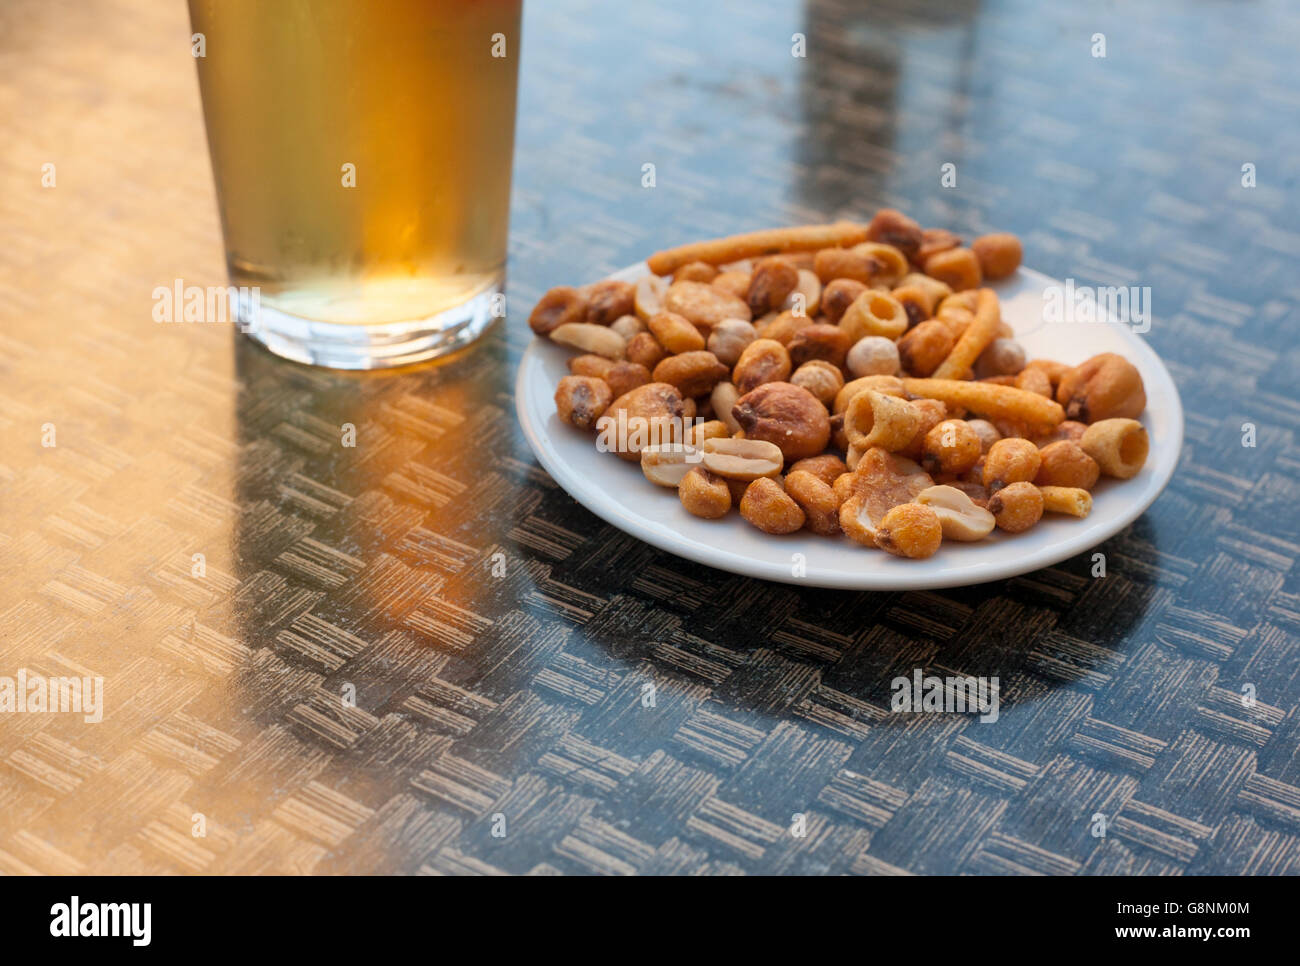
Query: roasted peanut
[(986, 431), (580, 400), (764, 360), (1107, 386), (590, 365), (872, 355), (1011, 460), (627, 326), (696, 272), (1064, 463), (932, 413), (723, 400), (923, 348), (910, 530), (609, 300), (1016, 507), (648, 296), (710, 429), (649, 415), (562, 305), (828, 467), (956, 318), (782, 327), (816, 499), (874, 419), (950, 447), (959, 516), (742, 459), (1119, 446), (826, 342), (596, 339), (806, 298), (1069, 500), (935, 290), (675, 333), (787, 415), (664, 464), (729, 338), (1034, 380), (934, 241), (838, 295), (733, 283), (625, 376), (693, 373), (702, 304), (704, 494), (831, 264), (874, 313), (821, 379), (770, 508), (772, 281), (895, 228), (998, 254), (1002, 357), (645, 350), (957, 267)]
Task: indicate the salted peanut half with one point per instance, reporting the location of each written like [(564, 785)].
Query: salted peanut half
[(874, 419), (742, 459), (806, 298), (723, 400), (960, 518), (828, 467), (648, 296), (598, 340), (1119, 446), (664, 464)]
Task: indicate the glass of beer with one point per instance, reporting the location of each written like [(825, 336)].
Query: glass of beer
[(362, 152)]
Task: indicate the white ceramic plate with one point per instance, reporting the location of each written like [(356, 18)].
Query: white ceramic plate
[(615, 490)]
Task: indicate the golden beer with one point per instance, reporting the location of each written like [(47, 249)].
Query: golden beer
[(362, 153)]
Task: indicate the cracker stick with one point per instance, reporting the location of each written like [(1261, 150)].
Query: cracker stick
[(773, 241), (975, 339), (991, 400)]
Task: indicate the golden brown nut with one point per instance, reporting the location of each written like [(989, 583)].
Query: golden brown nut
[(922, 349), (1034, 380), (1107, 386), (722, 400), (999, 254), (1002, 357), (599, 340), (627, 326), (742, 459), (562, 305), (733, 283), (703, 305), (821, 379), (950, 447), (664, 464), (787, 415), (1069, 429), (828, 467), (644, 349), (693, 373), (675, 333), (770, 508), (933, 412), (696, 272), (608, 300), (986, 431), (764, 360), (782, 327), (1016, 507), (830, 264), (933, 241), (957, 266), (590, 365), (1119, 446), (698, 434), (623, 377), (896, 229), (806, 299), (581, 400), (827, 342), (873, 355), (838, 295), (704, 494), (647, 415), (648, 296), (1010, 460), (910, 530), (816, 499), (1064, 463), (772, 281)]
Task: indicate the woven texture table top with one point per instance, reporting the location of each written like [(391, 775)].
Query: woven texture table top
[(534, 691)]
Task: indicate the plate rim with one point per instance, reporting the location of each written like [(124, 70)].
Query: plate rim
[(568, 479)]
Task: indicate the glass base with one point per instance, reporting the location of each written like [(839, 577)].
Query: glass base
[(381, 346)]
